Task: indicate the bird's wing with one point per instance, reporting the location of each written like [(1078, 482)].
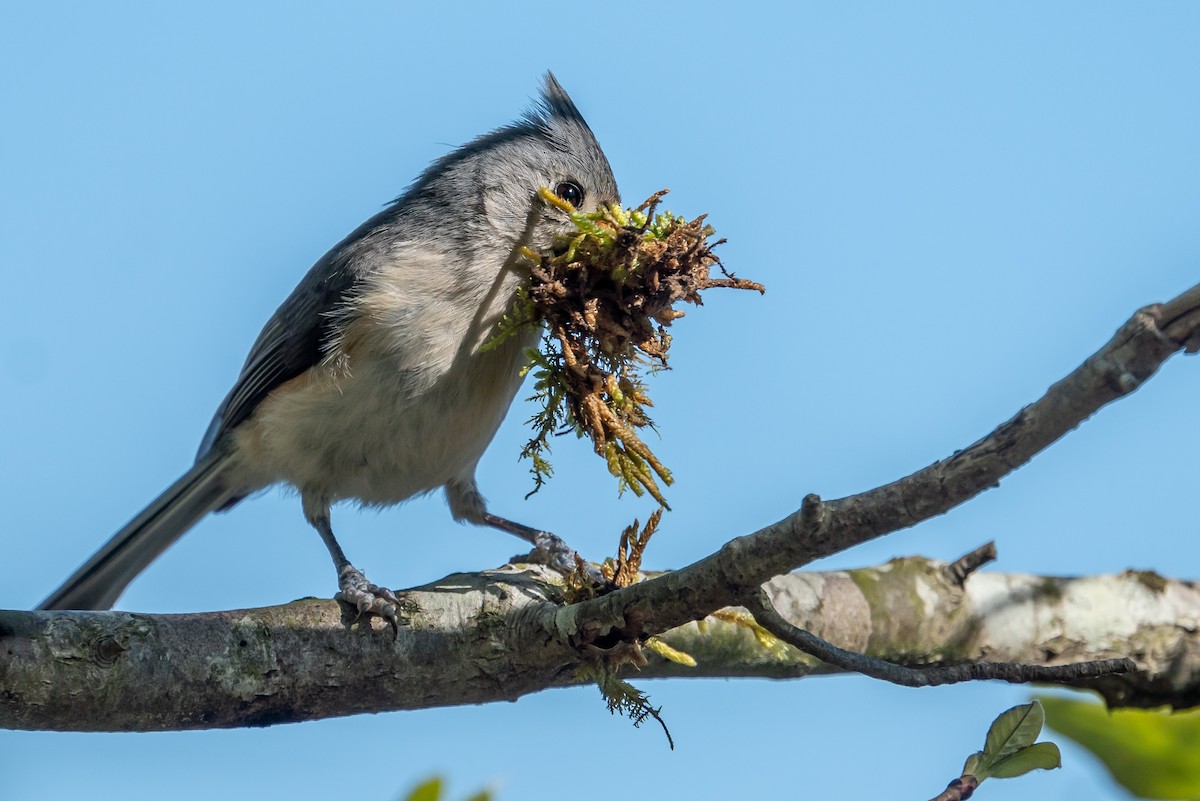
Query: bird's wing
[(295, 337)]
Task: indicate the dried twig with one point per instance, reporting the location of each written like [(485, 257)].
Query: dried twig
[(961, 569), (765, 613)]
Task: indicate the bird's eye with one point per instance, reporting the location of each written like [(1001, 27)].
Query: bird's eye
[(570, 192)]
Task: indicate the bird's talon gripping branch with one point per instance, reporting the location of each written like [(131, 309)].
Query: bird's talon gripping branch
[(368, 598), (552, 551), (548, 549), (559, 555)]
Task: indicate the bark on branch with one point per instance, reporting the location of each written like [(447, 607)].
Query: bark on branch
[(497, 636), (469, 641)]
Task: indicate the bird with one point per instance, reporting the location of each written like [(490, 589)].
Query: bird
[(371, 383)]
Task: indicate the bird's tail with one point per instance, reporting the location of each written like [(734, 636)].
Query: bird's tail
[(102, 579)]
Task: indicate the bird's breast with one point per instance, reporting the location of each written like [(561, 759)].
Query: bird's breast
[(409, 401)]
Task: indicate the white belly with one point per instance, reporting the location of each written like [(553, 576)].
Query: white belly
[(381, 436), (407, 402)]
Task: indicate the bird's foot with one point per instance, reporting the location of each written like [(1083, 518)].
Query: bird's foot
[(552, 551), (548, 549), (368, 598)]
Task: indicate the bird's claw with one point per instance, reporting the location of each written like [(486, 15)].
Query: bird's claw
[(550, 550), (368, 598)]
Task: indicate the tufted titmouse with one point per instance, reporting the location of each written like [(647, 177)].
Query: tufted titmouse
[(369, 382)]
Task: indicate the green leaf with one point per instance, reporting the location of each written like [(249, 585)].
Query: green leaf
[(1013, 730), (974, 764), (1152, 753), (1039, 756), (482, 795), (430, 790)]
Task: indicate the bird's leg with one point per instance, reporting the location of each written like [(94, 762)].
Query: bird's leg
[(353, 587), (548, 549)]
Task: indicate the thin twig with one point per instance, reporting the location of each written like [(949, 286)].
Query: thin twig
[(960, 569), (960, 789), (769, 618)]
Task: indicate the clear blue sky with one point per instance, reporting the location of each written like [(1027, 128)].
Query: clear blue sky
[(950, 204)]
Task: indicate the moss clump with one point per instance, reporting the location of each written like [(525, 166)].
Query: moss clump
[(1150, 580), (606, 296)]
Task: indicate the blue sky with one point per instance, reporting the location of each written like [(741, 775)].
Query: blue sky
[(951, 205)]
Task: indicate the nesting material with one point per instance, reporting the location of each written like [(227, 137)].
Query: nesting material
[(606, 297)]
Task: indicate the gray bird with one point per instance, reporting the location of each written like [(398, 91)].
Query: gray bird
[(369, 383)]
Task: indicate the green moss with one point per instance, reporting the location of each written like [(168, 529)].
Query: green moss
[(1149, 579), (891, 589), (604, 298), (1050, 589)]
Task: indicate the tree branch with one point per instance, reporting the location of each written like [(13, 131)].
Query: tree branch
[(497, 636), (469, 640), (819, 529), (909, 613)]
